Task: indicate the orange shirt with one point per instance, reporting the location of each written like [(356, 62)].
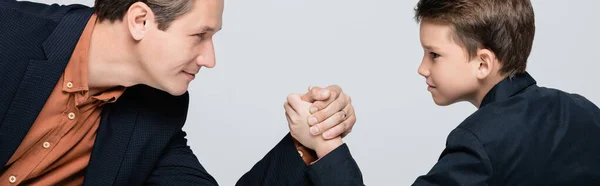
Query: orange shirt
[(57, 148)]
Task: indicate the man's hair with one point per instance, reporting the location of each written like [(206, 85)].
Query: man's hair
[(506, 27), (165, 11)]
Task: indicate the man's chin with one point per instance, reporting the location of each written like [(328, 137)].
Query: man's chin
[(177, 90)]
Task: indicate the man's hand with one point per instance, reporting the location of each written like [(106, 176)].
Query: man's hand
[(297, 113), (332, 111)]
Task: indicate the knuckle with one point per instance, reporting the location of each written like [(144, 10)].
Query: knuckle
[(322, 115), (315, 91), (338, 130), (342, 116), (320, 127), (296, 120), (319, 104), (332, 123), (334, 94), (317, 116), (337, 87)]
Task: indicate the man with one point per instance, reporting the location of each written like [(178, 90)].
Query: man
[(99, 97)]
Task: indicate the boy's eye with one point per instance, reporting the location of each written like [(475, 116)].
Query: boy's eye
[(434, 55)]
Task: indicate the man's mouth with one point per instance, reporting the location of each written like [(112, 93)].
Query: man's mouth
[(191, 75)]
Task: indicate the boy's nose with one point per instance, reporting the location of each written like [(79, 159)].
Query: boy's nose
[(423, 69)]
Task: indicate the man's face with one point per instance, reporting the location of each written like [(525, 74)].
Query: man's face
[(171, 58), (449, 72)]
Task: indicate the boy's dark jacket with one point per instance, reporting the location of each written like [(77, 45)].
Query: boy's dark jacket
[(523, 135)]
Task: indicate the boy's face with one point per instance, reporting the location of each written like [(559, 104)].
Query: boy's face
[(171, 58), (449, 73)]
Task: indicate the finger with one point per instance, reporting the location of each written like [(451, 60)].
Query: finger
[(289, 109), (335, 131), (329, 123), (296, 102), (349, 124), (290, 123), (335, 93), (287, 116), (332, 108), (316, 94), (335, 88)]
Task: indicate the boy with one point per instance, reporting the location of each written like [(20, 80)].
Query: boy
[(521, 134)]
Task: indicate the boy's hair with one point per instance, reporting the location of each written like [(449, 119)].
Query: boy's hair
[(165, 11), (505, 27)]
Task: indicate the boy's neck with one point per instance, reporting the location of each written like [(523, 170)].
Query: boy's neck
[(111, 60), (486, 85)]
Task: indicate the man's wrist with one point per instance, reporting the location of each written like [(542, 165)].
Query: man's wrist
[(308, 155), (323, 148)]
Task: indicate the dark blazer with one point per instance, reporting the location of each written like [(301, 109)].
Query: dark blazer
[(523, 135), (140, 138)]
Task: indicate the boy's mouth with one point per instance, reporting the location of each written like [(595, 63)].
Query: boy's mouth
[(430, 84)]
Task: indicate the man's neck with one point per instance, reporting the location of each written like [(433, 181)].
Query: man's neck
[(111, 60)]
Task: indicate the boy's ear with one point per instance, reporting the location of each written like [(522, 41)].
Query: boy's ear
[(485, 63)]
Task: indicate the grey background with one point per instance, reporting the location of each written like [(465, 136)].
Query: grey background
[(270, 48)]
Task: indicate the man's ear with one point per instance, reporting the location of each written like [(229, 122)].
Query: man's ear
[(139, 19), (484, 63)]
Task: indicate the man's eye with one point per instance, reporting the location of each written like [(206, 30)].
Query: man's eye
[(200, 35)]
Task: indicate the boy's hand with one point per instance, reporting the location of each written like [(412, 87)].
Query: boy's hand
[(332, 111), (297, 114)]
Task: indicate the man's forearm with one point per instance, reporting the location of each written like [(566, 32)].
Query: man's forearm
[(323, 148), (335, 168)]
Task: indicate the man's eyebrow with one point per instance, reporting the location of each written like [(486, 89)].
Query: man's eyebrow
[(210, 29)]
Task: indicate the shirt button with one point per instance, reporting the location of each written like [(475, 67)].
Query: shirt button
[(46, 145), (69, 84), (71, 115), (300, 152), (12, 179)]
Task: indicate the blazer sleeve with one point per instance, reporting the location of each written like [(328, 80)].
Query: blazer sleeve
[(464, 161), (179, 166), (284, 166)]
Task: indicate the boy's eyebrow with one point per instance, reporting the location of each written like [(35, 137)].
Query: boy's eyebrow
[(429, 47)]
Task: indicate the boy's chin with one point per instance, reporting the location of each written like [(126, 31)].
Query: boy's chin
[(442, 102)]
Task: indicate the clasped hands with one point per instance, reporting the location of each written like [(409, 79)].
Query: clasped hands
[(320, 118)]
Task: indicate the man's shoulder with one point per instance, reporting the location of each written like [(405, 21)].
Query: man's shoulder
[(53, 12), (155, 104), (28, 24)]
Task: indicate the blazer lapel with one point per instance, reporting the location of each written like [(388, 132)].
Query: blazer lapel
[(114, 133), (38, 82)]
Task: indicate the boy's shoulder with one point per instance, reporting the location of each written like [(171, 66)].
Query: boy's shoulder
[(539, 128), (527, 112)]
